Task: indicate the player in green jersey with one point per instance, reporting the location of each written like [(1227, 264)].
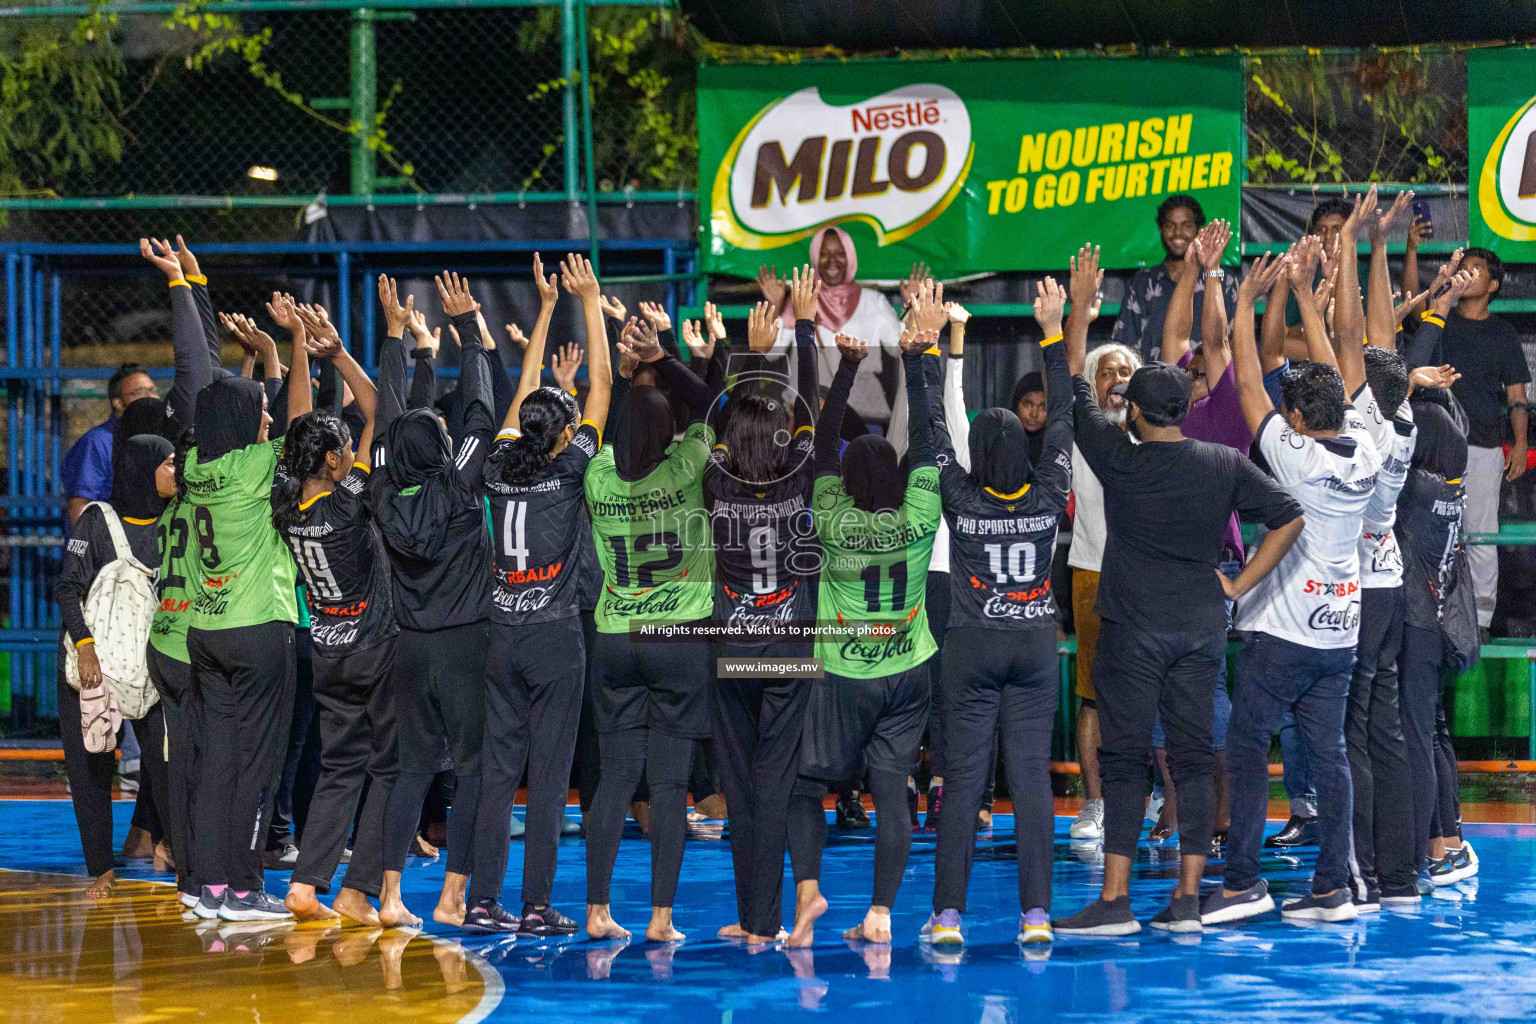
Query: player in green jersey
[(646, 499), (240, 637), (871, 706)]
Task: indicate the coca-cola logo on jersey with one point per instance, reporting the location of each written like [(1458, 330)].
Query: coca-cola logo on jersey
[(1336, 620), (522, 602), (894, 161), (999, 606)]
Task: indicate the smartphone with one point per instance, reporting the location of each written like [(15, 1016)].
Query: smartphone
[(1421, 211)]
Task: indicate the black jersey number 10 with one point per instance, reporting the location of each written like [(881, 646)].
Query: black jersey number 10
[(645, 572)]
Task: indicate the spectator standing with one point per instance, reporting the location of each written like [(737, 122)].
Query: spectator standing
[(1142, 311), (87, 469)]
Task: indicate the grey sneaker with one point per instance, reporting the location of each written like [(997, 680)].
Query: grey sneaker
[(1336, 906), (257, 905), (207, 905), (1219, 908), (1090, 821), (283, 858), (1182, 914), (1101, 917)]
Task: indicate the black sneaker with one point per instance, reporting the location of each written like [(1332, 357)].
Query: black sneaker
[(1101, 917), (547, 921), (1182, 914), (1443, 871), (256, 905), (1401, 896), (1297, 832), (1336, 906), (1370, 902), (1219, 908), (935, 806), (851, 813), (207, 906), (488, 917)]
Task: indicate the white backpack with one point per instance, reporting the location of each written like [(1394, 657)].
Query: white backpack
[(119, 609)]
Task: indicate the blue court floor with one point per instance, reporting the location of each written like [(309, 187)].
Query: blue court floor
[(1467, 954)]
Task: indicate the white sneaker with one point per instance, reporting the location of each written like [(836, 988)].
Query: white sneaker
[(1090, 821), (1154, 808)]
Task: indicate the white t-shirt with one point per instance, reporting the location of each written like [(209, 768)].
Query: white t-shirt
[(873, 321), (1088, 526), (1312, 597), (1381, 561)]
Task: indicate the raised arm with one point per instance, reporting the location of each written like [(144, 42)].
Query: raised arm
[(425, 345), (325, 344), (581, 281), (829, 428), (1272, 330), (533, 351), (1247, 372), (804, 293), (474, 379), (1301, 261), (1179, 321), (210, 324), (1380, 317), (955, 422), (1349, 312), (1213, 311), (1049, 301), (917, 348), (656, 315), (392, 398), (284, 312), (188, 346), (1084, 291)]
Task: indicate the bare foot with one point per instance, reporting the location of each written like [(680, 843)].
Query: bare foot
[(101, 887), (421, 848), (984, 819), (392, 914), (304, 905), (876, 927), (163, 859), (138, 845), (660, 929), (731, 931), (449, 913), (712, 807), (354, 906), (1163, 829), (601, 925), (806, 913), (765, 940)]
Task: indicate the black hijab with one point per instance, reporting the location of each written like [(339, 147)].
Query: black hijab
[(228, 417), (1440, 447), (871, 476), (417, 447), (1000, 455), (649, 435), (135, 460), (145, 416)]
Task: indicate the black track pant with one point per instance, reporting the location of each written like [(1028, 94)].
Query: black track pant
[(1447, 821), (439, 691), (665, 761), (183, 709), (287, 813), (938, 624), (90, 775), (246, 677), (533, 693), (1000, 684), (1139, 676), (588, 757), (1378, 751), (1422, 672), (758, 723), (893, 830), (357, 752)]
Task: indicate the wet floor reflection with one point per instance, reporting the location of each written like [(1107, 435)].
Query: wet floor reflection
[(131, 957)]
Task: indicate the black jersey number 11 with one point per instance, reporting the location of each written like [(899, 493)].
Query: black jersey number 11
[(871, 577)]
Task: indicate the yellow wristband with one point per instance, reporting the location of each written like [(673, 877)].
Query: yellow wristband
[(1053, 339), (198, 278), (181, 282), (81, 643), (1433, 318)]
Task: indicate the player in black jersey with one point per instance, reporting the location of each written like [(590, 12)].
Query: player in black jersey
[(426, 502), (757, 488), (1000, 665), (533, 488), (318, 507)]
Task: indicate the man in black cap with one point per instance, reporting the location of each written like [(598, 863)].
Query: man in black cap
[(1162, 602)]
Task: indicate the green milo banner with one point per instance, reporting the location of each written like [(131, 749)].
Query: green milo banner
[(970, 165), (1501, 145)]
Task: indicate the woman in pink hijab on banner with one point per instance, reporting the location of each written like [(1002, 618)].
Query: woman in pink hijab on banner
[(845, 307)]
